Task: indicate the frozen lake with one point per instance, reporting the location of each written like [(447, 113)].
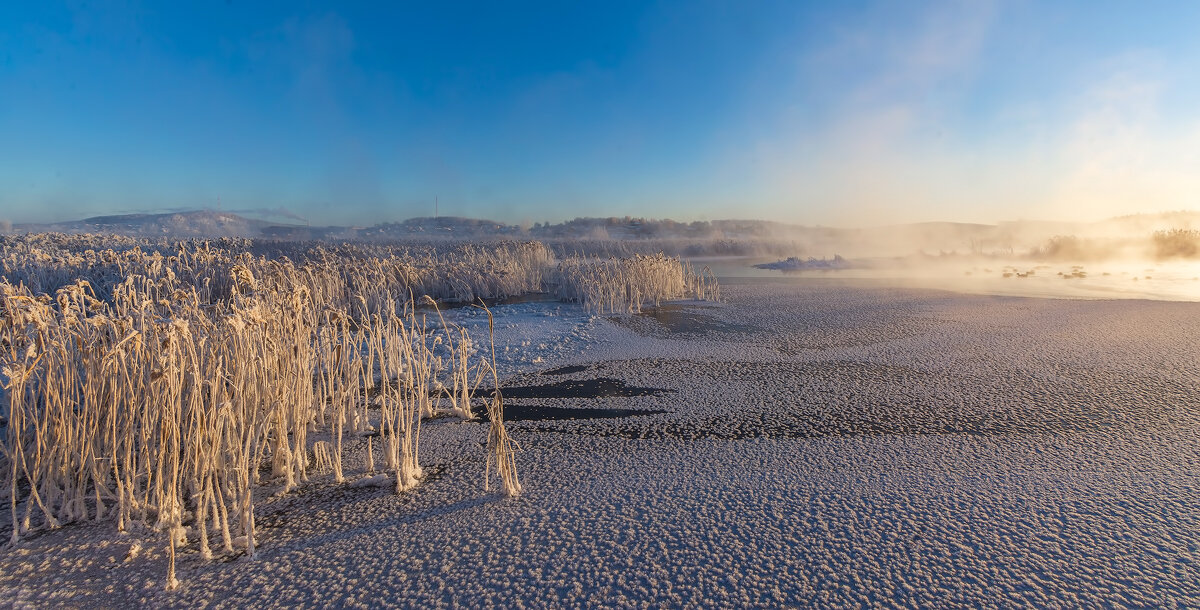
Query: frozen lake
[(823, 442), (1173, 280)]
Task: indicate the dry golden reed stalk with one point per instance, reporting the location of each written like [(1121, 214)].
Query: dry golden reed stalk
[(163, 379), (159, 405)]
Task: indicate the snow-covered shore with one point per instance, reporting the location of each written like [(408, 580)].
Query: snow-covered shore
[(820, 445)]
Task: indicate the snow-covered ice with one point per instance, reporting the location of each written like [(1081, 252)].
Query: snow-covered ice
[(819, 445)]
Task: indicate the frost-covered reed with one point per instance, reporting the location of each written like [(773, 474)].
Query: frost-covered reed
[(360, 279), (164, 403), (500, 448), (337, 274), (165, 382), (625, 285)]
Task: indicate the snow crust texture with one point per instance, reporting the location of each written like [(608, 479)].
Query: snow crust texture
[(806, 446)]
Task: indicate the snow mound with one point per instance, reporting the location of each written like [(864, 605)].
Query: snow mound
[(809, 264)]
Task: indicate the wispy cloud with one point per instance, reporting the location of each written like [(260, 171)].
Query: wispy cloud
[(899, 132), (1118, 148), (882, 95)]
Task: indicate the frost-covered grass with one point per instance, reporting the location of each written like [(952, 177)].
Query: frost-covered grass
[(162, 383), (446, 272), (358, 277), (625, 285), (163, 403)]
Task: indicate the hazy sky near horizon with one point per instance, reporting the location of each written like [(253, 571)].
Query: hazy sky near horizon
[(844, 113)]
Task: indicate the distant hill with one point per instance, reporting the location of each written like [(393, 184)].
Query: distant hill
[(210, 223), (711, 237), (196, 223), (201, 223)]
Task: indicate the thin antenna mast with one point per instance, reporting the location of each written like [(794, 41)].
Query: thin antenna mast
[(435, 204)]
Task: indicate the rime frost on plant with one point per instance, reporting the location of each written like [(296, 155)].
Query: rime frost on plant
[(166, 383)]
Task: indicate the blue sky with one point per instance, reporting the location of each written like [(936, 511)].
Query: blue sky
[(845, 113)]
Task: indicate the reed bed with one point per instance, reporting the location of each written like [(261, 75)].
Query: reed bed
[(168, 403), (360, 278), (625, 285), (455, 273), (165, 383)]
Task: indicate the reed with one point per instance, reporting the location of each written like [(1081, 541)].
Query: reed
[(160, 403), (501, 453), (158, 382), (625, 285)]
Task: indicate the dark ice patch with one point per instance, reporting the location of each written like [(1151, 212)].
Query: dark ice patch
[(566, 370), (681, 320), (520, 412), (602, 387)]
